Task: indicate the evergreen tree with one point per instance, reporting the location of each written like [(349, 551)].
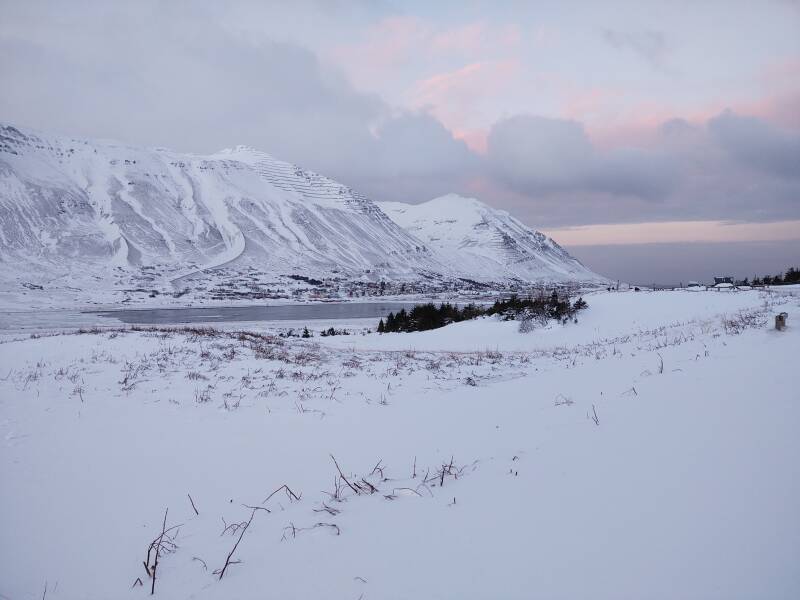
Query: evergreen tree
[(401, 320)]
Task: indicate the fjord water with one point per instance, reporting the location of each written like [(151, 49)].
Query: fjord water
[(233, 314)]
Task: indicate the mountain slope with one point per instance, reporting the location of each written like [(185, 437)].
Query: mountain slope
[(64, 200), (98, 214), (471, 237)]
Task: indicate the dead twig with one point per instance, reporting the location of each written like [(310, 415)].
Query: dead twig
[(236, 545), (157, 543), (289, 527), (378, 468), (333, 526), (193, 506), (350, 485), (406, 489), (328, 509), (289, 493)]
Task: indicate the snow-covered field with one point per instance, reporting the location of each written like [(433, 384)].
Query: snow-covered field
[(648, 451)]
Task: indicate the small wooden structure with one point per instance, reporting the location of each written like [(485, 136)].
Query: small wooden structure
[(780, 321)]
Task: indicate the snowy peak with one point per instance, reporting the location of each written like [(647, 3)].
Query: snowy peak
[(472, 237)]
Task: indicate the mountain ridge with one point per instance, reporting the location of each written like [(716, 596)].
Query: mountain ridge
[(70, 205), (467, 234)]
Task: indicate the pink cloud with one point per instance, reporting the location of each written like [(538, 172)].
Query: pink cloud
[(775, 98), (450, 85), (783, 109), (468, 38), (412, 62), (475, 139), (639, 124), (389, 42), (401, 39), (453, 96), (475, 39)]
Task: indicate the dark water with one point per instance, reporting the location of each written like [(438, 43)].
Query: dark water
[(283, 312)]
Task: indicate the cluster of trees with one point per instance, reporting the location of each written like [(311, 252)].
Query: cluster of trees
[(307, 333), (791, 276), (429, 316), (331, 331)]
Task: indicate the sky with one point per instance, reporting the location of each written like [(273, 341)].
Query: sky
[(655, 140)]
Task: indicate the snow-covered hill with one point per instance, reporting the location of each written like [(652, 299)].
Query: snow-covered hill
[(72, 209), (471, 237)]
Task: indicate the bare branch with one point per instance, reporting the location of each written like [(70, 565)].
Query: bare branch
[(289, 493), (230, 554), (193, 506), (158, 552), (350, 485)]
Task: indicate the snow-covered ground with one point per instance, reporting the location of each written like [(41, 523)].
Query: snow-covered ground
[(649, 451)]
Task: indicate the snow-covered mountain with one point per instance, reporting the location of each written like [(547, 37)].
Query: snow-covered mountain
[(67, 200), (471, 237), (72, 207)]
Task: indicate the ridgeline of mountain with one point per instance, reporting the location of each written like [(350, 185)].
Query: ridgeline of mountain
[(471, 237), (80, 208)]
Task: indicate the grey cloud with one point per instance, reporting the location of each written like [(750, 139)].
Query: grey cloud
[(535, 154), (649, 45), (539, 154), (755, 143), (548, 172), (677, 128), (416, 143), (412, 158)]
